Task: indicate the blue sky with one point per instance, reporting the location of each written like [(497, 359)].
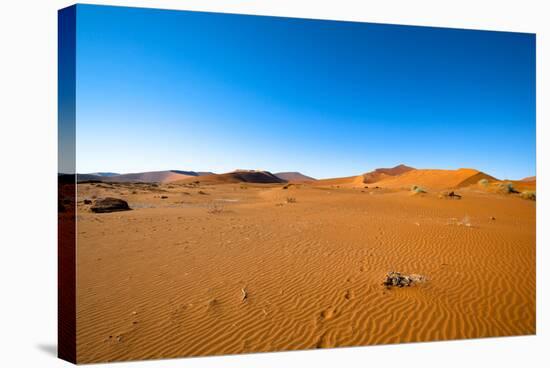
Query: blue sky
[(159, 90)]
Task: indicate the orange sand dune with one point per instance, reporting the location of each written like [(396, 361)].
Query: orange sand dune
[(367, 178), (521, 185), (435, 179), (393, 171), (348, 181), (403, 176), (383, 173), (226, 268)]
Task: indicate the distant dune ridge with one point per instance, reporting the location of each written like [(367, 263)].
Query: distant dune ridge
[(105, 174), (392, 171), (382, 173), (294, 176), (400, 176), (239, 176), (146, 177), (435, 179), (403, 176), (153, 176), (374, 176)]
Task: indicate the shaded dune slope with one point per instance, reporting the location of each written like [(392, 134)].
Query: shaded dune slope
[(367, 178), (294, 176), (260, 177), (383, 173)]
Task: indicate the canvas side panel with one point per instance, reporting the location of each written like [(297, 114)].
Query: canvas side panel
[(66, 325)]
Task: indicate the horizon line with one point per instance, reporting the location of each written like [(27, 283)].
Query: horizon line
[(117, 173)]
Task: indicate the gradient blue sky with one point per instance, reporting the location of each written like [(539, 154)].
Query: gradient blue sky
[(160, 90)]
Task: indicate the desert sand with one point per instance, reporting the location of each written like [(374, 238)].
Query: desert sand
[(209, 266)]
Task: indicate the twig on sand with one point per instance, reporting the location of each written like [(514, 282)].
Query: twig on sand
[(244, 294)]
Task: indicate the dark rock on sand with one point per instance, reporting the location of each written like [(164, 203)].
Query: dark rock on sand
[(109, 204)]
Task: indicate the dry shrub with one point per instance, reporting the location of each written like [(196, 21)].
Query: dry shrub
[(484, 183), (417, 189), (507, 188), (398, 279), (529, 194)]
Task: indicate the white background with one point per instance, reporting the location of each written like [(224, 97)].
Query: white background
[(28, 204)]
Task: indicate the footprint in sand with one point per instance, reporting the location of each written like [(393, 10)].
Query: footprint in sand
[(348, 295)]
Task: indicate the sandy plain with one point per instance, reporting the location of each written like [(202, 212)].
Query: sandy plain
[(206, 268)]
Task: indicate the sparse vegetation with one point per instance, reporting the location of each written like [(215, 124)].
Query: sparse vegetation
[(290, 200), (529, 194), (417, 190), (483, 182), (507, 188)]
